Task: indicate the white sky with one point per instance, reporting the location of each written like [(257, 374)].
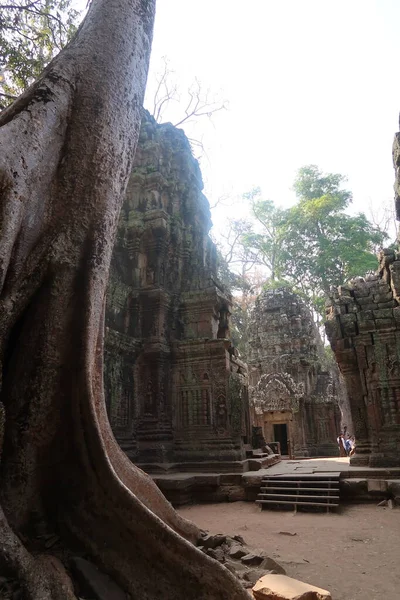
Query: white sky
[(307, 81)]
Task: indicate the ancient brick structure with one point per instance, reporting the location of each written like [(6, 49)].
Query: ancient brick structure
[(293, 397), (176, 392), (363, 326)]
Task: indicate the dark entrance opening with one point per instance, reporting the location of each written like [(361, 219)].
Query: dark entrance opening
[(280, 435)]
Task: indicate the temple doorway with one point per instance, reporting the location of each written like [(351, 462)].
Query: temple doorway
[(281, 436)]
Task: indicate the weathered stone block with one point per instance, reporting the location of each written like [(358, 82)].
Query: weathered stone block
[(377, 485), (383, 296), (394, 489), (385, 324), (365, 299), (365, 315), (237, 551), (332, 327), (269, 564), (254, 559), (366, 325), (281, 587), (383, 313), (361, 292), (212, 541), (389, 304), (348, 323)]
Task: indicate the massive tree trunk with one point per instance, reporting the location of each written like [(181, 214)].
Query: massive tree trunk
[(66, 149)]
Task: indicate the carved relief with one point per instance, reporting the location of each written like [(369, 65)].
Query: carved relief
[(287, 375), (276, 391), (368, 353), (179, 316)]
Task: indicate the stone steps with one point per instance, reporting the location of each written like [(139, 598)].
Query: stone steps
[(295, 489), (311, 490)]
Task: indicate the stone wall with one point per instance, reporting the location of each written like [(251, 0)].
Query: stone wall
[(289, 382), (175, 391), (363, 326)]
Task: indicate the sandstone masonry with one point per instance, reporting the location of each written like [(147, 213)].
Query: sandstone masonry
[(293, 396), (176, 392)]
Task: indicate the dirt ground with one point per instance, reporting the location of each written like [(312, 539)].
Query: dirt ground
[(355, 553)]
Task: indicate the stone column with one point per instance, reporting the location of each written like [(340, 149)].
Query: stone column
[(349, 367)]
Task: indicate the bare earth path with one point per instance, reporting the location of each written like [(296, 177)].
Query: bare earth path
[(355, 554)]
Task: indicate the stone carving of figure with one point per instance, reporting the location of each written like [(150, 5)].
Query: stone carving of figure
[(223, 324), (221, 413), (149, 405)]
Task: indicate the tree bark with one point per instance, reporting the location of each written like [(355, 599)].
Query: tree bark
[(66, 151)]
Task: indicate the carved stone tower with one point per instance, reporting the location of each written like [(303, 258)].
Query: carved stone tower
[(363, 326), (294, 398), (176, 392)]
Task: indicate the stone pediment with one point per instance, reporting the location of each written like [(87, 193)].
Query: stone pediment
[(276, 392)]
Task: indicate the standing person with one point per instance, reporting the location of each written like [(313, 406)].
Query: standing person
[(347, 444), (340, 441)]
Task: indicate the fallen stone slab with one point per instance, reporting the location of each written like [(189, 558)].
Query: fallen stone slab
[(269, 564), (238, 538), (213, 541), (377, 486), (237, 551), (252, 560), (281, 587)]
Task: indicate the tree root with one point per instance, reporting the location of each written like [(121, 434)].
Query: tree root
[(30, 573), (66, 158)]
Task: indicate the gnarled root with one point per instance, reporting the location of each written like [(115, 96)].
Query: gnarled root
[(40, 579)]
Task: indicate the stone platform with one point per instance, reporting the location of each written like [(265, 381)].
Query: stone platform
[(357, 484), (209, 482)]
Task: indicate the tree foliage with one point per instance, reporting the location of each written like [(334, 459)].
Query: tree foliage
[(32, 32), (312, 245), (324, 246), (265, 241)]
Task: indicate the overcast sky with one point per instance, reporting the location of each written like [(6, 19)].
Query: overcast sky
[(307, 81)]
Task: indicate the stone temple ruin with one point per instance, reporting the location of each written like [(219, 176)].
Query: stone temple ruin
[(363, 326), (294, 398), (176, 391)]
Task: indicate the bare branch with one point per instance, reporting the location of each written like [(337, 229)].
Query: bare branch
[(199, 105), (224, 200)]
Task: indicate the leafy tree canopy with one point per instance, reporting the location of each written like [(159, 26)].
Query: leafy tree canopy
[(32, 32), (315, 244), (325, 246), (266, 240)]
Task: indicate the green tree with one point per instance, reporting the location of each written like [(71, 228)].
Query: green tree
[(265, 241), (324, 246), (315, 244), (32, 32)]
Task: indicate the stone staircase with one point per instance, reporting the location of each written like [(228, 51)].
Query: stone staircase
[(313, 491)]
